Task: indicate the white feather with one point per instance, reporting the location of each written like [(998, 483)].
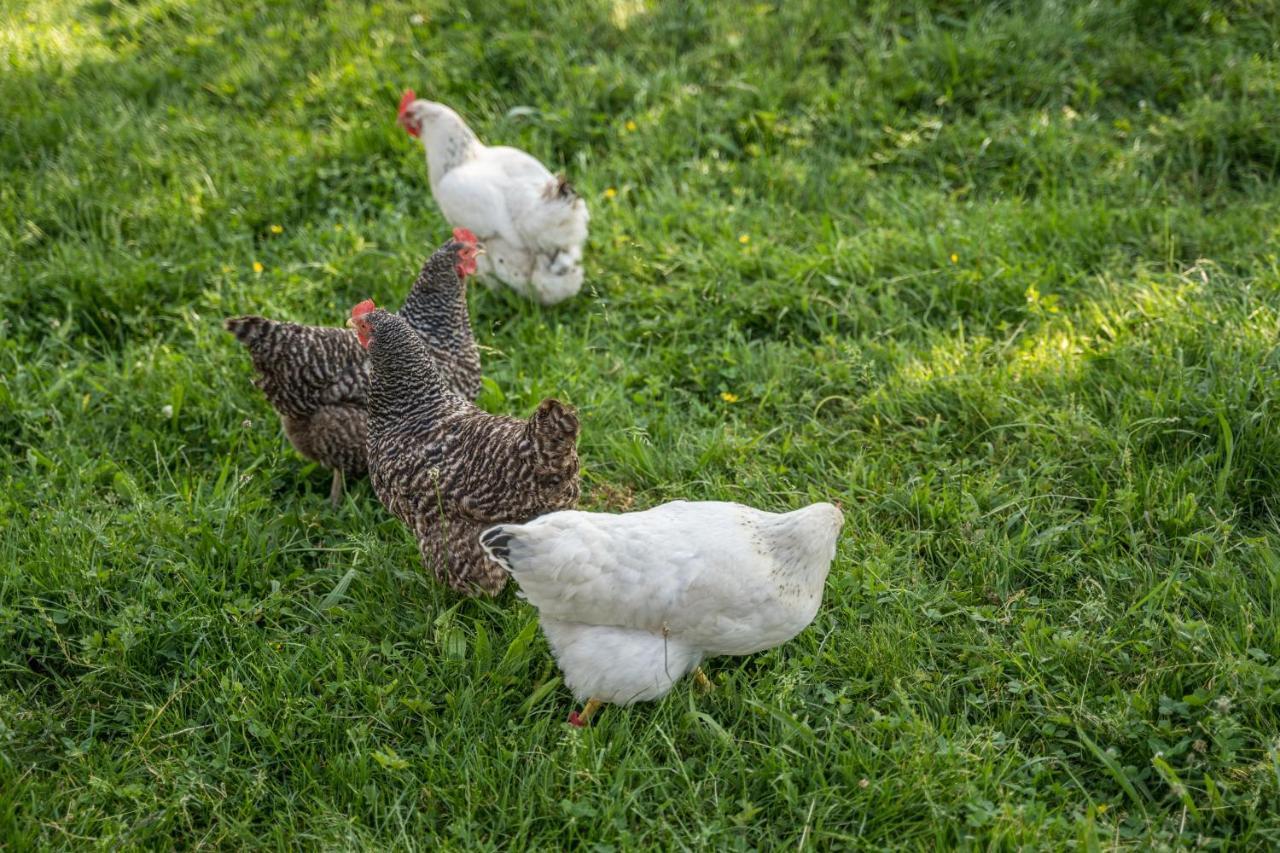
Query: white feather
[(533, 234), (631, 602)]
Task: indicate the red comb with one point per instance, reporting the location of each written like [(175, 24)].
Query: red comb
[(362, 309), (405, 100), (464, 235)]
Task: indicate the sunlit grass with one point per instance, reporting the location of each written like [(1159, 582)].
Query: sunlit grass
[(1000, 279), (49, 35)]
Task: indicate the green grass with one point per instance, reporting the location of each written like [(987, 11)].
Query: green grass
[(1003, 280)]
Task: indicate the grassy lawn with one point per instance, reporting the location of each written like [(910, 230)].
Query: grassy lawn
[(1004, 281)]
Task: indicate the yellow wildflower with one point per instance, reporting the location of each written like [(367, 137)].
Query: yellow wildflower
[(728, 396), (744, 239), (610, 192), (631, 126), (257, 267), (955, 259), (277, 229)]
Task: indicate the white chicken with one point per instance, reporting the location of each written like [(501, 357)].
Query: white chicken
[(532, 223), (632, 602)]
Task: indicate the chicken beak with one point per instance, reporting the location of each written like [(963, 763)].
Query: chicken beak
[(409, 125)]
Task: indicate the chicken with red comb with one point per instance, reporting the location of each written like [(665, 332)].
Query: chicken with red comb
[(317, 378), (533, 224)]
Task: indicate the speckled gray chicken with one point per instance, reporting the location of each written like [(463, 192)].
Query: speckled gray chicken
[(448, 469), (317, 377)]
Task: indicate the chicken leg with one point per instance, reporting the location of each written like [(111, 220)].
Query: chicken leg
[(335, 490), (589, 709)]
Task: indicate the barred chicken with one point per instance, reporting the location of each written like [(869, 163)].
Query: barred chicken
[(317, 378), (532, 222), (632, 602), (448, 469)]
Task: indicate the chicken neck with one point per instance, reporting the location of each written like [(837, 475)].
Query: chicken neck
[(406, 383)]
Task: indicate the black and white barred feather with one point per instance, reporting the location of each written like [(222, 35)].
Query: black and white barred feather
[(317, 377), (448, 469)]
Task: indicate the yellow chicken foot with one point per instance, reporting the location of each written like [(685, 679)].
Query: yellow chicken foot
[(335, 491), (700, 679), (581, 720)]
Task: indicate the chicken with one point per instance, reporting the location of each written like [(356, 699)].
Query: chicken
[(448, 469), (317, 378), (632, 602), (532, 223)]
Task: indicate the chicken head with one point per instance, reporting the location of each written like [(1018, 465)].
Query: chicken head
[(360, 322), (405, 117), (468, 254)]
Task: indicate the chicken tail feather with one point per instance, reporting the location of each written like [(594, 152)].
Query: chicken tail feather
[(496, 542), (559, 187), (248, 330)]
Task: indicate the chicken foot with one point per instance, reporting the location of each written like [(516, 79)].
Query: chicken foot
[(588, 710)]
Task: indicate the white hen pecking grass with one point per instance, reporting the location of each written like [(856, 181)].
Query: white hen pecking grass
[(632, 602)]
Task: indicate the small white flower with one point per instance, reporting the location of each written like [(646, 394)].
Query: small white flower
[(417, 20), (166, 412)]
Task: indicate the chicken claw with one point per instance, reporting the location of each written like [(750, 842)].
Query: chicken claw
[(588, 710)]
